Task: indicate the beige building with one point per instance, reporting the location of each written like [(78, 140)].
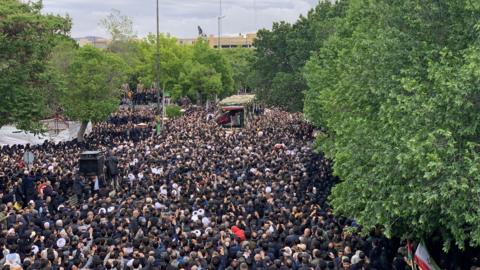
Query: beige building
[(97, 42), (186, 41), (226, 42)]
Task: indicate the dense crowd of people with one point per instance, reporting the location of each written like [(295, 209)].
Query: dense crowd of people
[(140, 96), (196, 197)]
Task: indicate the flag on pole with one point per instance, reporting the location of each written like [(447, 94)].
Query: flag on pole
[(159, 125), (423, 259), (159, 128), (410, 255)]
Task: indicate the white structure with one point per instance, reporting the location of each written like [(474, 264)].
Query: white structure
[(10, 135)]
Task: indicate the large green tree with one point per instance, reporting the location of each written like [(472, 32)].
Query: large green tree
[(281, 54), (199, 83), (27, 38), (218, 64), (59, 61), (196, 71), (271, 58), (240, 60), (396, 91), (124, 42), (172, 61), (92, 89)]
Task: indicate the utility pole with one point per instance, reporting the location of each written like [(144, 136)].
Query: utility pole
[(219, 45), (158, 72), (157, 79)]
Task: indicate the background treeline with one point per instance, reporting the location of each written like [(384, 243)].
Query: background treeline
[(393, 87), (44, 72)]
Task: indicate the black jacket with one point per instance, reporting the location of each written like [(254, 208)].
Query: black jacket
[(112, 166)]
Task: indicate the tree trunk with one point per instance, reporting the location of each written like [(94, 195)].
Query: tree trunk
[(81, 132)]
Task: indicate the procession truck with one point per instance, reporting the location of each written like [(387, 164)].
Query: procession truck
[(236, 111)]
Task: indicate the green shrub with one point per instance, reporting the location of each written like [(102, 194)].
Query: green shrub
[(173, 111)]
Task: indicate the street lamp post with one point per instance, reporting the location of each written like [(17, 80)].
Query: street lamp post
[(158, 72), (219, 45), (158, 60)]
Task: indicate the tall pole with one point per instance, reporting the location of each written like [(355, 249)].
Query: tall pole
[(158, 72), (158, 60), (219, 27)]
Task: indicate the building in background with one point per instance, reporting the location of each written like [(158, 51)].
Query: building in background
[(186, 41), (97, 42), (226, 42)]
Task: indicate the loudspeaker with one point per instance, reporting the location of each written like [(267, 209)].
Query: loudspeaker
[(91, 163)]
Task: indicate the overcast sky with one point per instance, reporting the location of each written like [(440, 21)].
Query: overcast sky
[(180, 18)]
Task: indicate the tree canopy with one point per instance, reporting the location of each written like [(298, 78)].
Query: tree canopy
[(281, 54), (44, 72), (196, 71), (209, 69), (93, 81), (240, 60), (27, 38), (395, 91)]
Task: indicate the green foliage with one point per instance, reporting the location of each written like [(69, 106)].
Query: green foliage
[(212, 59), (198, 83), (172, 61), (271, 58), (93, 80), (197, 71), (60, 60), (239, 59), (27, 37), (396, 90), (124, 43), (281, 54), (130, 52), (205, 76), (173, 111)]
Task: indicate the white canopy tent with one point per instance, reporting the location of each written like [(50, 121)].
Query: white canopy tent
[(10, 135)]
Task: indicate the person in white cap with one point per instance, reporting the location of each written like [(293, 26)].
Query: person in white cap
[(195, 218), (61, 242), (206, 221)]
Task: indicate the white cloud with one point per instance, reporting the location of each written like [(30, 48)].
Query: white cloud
[(180, 17)]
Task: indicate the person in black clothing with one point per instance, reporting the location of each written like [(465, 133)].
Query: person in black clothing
[(79, 188), (400, 261), (18, 192), (111, 164), (28, 188), (198, 196), (377, 256)]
